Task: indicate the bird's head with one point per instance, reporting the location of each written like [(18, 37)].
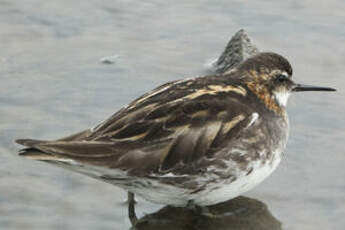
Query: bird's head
[(269, 76)]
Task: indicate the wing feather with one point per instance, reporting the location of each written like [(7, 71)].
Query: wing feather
[(176, 124)]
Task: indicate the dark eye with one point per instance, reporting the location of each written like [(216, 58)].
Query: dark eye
[(281, 78)]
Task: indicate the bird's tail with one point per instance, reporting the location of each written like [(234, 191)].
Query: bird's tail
[(76, 159), (30, 142), (34, 153)]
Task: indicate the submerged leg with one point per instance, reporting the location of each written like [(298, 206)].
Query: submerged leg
[(131, 209)]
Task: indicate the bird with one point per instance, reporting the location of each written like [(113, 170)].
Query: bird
[(203, 140)]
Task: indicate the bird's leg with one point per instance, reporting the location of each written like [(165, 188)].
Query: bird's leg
[(131, 209), (130, 198)]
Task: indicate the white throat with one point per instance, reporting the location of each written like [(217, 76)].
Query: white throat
[(282, 97)]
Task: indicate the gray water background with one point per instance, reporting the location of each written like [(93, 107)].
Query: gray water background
[(52, 84)]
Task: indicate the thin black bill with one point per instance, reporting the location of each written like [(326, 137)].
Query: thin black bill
[(301, 87)]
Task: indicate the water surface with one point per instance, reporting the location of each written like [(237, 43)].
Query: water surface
[(52, 84)]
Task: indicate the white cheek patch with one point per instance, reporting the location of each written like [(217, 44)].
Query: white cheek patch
[(282, 97)]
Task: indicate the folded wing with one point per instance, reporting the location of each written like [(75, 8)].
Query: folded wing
[(180, 123)]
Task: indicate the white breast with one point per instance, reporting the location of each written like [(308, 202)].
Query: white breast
[(213, 193), (224, 191)]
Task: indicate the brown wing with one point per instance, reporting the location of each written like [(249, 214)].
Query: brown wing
[(175, 125)]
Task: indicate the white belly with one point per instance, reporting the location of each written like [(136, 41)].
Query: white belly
[(214, 192), (224, 191)]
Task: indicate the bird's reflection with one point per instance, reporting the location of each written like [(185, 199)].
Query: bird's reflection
[(239, 213)]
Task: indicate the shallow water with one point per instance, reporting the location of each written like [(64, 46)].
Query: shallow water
[(53, 84)]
